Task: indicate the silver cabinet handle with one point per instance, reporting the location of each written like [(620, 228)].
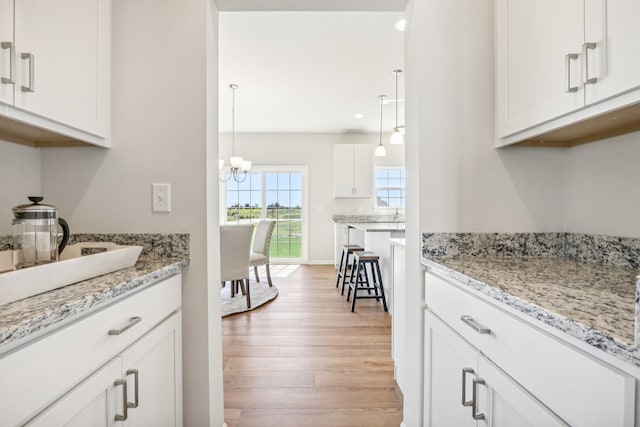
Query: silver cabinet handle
[(585, 49), (132, 321), (465, 371), (474, 400), (135, 392), (12, 66), (567, 69), (470, 321), (125, 415), (32, 74)]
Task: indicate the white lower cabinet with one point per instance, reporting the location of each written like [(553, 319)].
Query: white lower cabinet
[(119, 366), (146, 370), (486, 367), (91, 403), (467, 389)]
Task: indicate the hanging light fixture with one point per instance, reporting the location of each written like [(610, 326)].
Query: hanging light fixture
[(396, 136), (380, 150), (239, 166)]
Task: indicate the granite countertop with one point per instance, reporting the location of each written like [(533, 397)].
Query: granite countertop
[(30, 317), (592, 300), (378, 226), (361, 218), (22, 318), (398, 242)]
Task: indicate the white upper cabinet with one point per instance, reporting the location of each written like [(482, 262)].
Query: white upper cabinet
[(59, 51), (534, 69), (559, 64), (611, 28), (7, 72), (352, 170)]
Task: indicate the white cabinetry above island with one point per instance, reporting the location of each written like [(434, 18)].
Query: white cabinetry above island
[(352, 171)]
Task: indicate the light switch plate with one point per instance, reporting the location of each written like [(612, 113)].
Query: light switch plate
[(160, 197)]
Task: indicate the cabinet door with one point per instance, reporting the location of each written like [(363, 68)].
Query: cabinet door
[(532, 71), (448, 360), (343, 162), (62, 48), (94, 402), (398, 318), (157, 359), (6, 38), (612, 27), (504, 403), (363, 170)]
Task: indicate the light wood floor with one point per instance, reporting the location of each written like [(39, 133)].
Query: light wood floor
[(305, 360)]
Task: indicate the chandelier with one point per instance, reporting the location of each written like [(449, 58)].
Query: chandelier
[(239, 166)]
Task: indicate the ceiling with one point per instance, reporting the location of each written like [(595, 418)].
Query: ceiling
[(309, 71), (312, 5)]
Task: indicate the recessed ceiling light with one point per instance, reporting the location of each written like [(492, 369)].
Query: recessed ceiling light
[(401, 25), (358, 116)]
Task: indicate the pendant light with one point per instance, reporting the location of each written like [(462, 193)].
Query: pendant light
[(396, 136), (238, 164), (380, 150)]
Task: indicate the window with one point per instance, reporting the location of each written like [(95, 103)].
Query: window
[(391, 186), (274, 193)]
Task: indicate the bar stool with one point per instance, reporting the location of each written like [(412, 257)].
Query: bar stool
[(344, 262), (361, 259)]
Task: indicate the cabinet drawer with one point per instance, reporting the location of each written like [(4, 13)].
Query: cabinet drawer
[(582, 390), (37, 374)]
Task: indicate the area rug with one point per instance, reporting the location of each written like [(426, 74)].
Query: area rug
[(261, 293)]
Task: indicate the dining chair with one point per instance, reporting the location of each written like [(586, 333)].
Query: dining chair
[(260, 251), (235, 250)]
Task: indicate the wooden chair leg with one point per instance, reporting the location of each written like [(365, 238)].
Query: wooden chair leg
[(269, 275), (255, 270), (248, 293), (233, 288)]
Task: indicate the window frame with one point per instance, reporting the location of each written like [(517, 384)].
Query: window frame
[(376, 188), (304, 212)]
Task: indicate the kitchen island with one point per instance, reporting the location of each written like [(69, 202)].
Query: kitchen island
[(374, 237)]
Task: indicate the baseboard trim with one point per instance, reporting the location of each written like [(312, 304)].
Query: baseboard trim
[(320, 262)]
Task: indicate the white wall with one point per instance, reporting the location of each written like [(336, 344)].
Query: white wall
[(19, 178), (602, 191), (460, 181), (316, 151), (163, 68)]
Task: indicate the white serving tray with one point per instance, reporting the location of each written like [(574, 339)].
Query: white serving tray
[(72, 268)]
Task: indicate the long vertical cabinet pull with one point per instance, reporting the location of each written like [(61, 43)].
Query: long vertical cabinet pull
[(585, 50), (466, 371), (474, 400), (12, 66), (125, 413), (135, 388), (567, 70), (32, 73)]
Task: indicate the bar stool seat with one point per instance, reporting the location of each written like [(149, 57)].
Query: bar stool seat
[(344, 264), (360, 262)]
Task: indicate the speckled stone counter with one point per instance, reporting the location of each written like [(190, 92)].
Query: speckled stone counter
[(359, 218), (378, 226), (29, 317), (556, 278)]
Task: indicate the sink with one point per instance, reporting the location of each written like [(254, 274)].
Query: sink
[(78, 262)]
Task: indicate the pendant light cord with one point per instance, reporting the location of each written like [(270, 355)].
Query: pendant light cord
[(233, 119), (396, 73), (381, 99)]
